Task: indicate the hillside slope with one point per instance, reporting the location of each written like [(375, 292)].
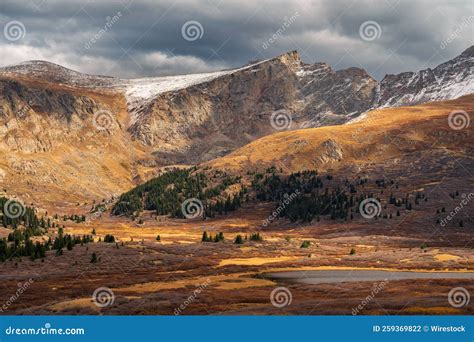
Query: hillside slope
[(383, 137)]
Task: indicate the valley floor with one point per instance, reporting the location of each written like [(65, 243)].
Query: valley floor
[(182, 275)]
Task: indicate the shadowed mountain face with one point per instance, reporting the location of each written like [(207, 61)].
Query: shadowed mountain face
[(125, 128)]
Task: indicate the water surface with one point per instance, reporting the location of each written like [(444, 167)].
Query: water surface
[(341, 276)]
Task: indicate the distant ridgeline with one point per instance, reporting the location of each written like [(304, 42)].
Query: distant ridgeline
[(302, 196), (26, 224), (166, 194)]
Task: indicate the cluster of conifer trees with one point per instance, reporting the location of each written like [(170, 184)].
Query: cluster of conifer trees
[(253, 237), (209, 238), (301, 196), (19, 243), (315, 198), (166, 193), (25, 224), (14, 214)]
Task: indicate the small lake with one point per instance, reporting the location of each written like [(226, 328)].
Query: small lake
[(341, 276)]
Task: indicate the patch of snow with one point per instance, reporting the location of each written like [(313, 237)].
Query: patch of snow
[(142, 91), (357, 118)]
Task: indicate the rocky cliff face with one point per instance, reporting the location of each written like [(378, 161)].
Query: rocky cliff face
[(51, 144), (449, 80), (333, 97), (34, 119), (212, 118)]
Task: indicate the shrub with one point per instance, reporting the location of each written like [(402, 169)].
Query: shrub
[(238, 239), (305, 244), (205, 237), (256, 237), (93, 258), (109, 238)]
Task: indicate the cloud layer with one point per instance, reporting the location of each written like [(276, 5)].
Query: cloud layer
[(145, 38)]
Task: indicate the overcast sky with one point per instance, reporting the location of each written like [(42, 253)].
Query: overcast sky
[(147, 38)]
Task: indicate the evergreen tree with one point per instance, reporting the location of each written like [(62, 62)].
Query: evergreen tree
[(93, 258), (305, 244), (238, 239)]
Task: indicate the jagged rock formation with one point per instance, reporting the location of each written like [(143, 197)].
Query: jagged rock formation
[(449, 80)]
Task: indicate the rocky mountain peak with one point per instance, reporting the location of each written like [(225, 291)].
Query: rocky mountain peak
[(291, 59), (448, 80), (469, 52)]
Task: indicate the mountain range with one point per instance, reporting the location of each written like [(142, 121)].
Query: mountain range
[(82, 136)]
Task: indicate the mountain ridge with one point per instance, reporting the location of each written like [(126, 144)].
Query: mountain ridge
[(322, 88), (53, 133)]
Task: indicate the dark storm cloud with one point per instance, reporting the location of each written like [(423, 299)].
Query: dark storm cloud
[(144, 38)]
